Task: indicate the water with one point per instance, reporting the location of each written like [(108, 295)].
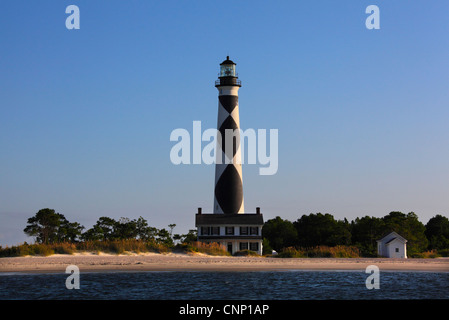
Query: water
[(277, 285)]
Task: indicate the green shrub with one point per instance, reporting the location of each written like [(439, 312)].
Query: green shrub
[(41, 250), (426, 254), (291, 252), (64, 248)]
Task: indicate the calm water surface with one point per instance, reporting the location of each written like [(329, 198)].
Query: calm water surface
[(278, 285)]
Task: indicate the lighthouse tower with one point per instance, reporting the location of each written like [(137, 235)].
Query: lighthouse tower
[(229, 225), (228, 194)]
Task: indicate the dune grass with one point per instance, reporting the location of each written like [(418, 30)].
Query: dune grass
[(112, 246), (140, 246), (213, 248), (320, 252)]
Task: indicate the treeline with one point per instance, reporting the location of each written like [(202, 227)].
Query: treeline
[(319, 229), (310, 235), (49, 227)]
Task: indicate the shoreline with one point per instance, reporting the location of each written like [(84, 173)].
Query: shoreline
[(131, 262)]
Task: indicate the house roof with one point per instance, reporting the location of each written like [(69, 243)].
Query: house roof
[(393, 234), (391, 240), (226, 219)]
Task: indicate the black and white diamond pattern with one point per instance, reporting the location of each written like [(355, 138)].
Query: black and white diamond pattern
[(228, 195)]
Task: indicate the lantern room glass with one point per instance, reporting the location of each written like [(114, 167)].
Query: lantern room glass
[(227, 70)]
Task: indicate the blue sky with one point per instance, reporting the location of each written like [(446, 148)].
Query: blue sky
[(86, 115)]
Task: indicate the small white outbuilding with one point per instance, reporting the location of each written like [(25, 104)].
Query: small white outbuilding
[(392, 246)]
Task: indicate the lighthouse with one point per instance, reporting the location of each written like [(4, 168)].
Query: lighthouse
[(228, 194), (229, 225)]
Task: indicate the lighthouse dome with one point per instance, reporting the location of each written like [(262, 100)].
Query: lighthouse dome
[(227, 61)]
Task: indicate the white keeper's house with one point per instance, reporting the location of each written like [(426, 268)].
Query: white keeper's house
[(236, 232), (392, 245)]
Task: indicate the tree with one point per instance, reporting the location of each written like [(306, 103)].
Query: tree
[(43, 225), (191, 236), (104, 229), (125, 228), (69, 231), (437, 232), (94, 233), (144, 231), (322, 229), (409, 227), (164, 237), (171, 226), (280, 233), (47, 226), (365, 232), (266, 247)]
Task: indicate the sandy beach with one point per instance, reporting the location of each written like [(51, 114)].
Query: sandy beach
[(87, 262)]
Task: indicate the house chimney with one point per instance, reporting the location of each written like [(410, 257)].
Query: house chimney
[(199, 210), (257, 210)]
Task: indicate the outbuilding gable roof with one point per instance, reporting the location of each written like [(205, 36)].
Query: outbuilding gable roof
[(393, 234)]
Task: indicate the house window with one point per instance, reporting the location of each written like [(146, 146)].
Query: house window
[(205, 231), (397, 249), (254, 246), (229, 230), (254, 230), (215, 231), (244, 231), (243, 245)]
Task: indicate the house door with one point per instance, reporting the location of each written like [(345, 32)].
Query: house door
[(230, 247)]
